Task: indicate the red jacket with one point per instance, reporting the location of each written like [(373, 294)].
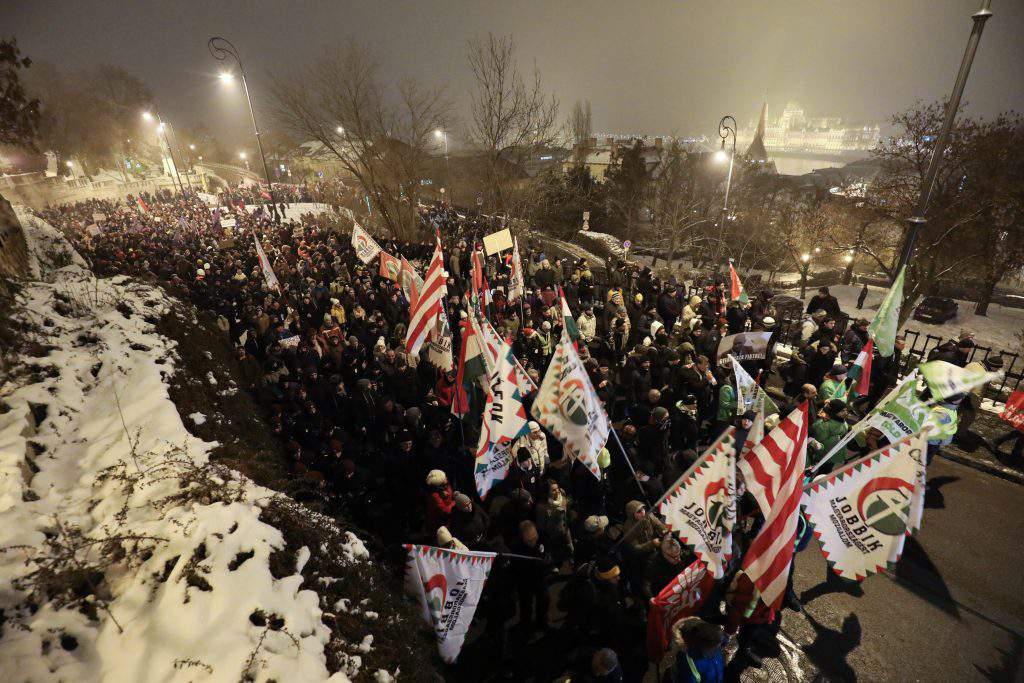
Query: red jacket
[(439, 507)]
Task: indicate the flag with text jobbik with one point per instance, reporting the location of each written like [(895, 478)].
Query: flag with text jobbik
[(504, 421)]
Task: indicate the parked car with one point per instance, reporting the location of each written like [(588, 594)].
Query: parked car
[(936, 310), (787, 307)]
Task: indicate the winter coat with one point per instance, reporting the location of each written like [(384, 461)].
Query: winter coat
[(439, 506), (828, 433)]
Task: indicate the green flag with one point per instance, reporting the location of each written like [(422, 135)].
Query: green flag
[(886, 322)]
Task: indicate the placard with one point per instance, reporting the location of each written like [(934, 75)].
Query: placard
[(497, 242)]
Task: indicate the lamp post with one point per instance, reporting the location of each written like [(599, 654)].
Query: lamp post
[(726, 127), (439, 133), (805, 265), (180, 156), (162, 130), (917, 219), (221, 49), (244, 157), (848, 273)]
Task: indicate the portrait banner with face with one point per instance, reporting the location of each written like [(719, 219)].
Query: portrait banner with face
[(745, 345), (447, 584)]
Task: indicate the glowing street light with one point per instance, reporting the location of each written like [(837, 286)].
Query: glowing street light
[(148, 116), (162, 129), (721, 156), (226, 77), (192, 147), (805, 259), (339, 130)]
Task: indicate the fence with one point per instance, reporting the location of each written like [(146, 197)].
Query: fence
[(918, 346)]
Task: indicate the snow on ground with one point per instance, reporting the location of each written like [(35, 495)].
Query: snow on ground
[(997, 330), (111, 480), (612, 242)]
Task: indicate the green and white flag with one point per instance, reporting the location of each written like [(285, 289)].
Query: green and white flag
[(862, 514), (748, 393), (886, 322), (504, 422), (946, 379), (701, 506), (567, 404)]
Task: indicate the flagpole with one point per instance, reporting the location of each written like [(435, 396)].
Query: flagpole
[(632, 470), (850, 465)]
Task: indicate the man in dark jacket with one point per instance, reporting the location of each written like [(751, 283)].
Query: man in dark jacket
[(824, 301)]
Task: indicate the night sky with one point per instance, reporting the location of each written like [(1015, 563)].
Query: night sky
[(647, 67)]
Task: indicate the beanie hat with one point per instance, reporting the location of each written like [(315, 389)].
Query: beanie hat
[(444, 537), (607, 569), (595, 523), (462, 500), (436, 478)]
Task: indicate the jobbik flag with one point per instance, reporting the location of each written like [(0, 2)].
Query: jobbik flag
[(568, 406), (748, 394), (886, 322), (516, 282), (946, 379), (268, 272), (447, 584), (701, 507), (682, 597), (504, 421), (439, 347), (863, 513), (390, 266), (366, 247)]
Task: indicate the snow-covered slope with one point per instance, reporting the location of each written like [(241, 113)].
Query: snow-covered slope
[(126, 554)]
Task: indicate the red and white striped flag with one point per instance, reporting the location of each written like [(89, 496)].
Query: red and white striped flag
[(424, 310), (142, 205), (774, 474), (477, 271)]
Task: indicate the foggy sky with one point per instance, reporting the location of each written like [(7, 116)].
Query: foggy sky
[(647, 67)]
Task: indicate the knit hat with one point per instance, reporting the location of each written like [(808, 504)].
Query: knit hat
[(595, 523), (768, 321), (436, 478), (462, 501), (835, 407), (444, 537), (604, 458), (837, 370), (607, 569)]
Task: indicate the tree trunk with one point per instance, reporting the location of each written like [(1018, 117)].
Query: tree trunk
[(987, 290)]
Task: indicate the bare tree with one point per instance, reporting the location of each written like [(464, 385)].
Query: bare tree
[(384, 143), (511, 118), (581, 128)]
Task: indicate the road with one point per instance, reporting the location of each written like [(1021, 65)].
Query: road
[(952, 611)]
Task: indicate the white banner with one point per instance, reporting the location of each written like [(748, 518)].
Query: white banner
[(701, 506), (504, 421), (863, 513), (946, 379), (366, 247), (497, 242), (448, 584), (268, 272)]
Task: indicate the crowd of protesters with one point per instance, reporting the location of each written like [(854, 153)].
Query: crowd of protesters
[(372, 426)]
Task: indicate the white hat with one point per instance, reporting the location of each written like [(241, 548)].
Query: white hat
[(436, 478), (595, 523), (768, 321), (444, 537)]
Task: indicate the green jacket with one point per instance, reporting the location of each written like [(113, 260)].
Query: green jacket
[(829, 389), (726, 402), (828, 433)]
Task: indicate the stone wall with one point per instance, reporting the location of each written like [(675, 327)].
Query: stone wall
[(13, 248)]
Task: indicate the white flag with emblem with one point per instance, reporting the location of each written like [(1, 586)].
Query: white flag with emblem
[(447, 584), (366, 247), (701, 506), (863, 513)]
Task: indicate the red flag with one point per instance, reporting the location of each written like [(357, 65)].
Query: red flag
[(142, 205), (389, 266), (682, 597), (774, 474), (1014, 410), (266, 195), (460, 405), (477, 271), (424, 310)]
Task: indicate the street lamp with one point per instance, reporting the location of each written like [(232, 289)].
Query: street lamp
[(726, 127), (161, 129), (243, 157), (805, 264), (339, 130), (917, 219), (221, 49), (442, 134)]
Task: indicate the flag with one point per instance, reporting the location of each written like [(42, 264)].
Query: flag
[(568, 322), (389, 266), (366, 247), (471, 367), (424, 310), (946, 379), (738, 293), (886, 322), (490, 342), (447, 584), (682, 597), (773, 473), (568, 406), (266, 195), (142, 205), (1013, 410), (860, 372), (410, 281), (477, 271), (701, 507), (748, 393), (439, 352), (268, 272), (863, 513), (516, 282), (504, 422)]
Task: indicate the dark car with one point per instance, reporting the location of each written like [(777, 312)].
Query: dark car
[(936, 310), (787, 307)]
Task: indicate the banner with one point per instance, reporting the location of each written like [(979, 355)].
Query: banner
[(567, 404), (745, 345), (447, 584), (504, 421), (268, 272), (389, 266), (1013, 412), (748, 393), (737, 293), (439, 346), (682, 597), (516, 283), (701, 507), (863, 513), (946, 379), (366, 247)]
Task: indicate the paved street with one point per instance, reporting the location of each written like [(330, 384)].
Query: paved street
[(952, 611)]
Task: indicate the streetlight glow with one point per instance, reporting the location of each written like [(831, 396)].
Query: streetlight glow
[(147, 116), (721, 156), (192, 147), (226, 77), (848, 258), (241, 155), (438, 133), (339, 130), (805, 257)]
